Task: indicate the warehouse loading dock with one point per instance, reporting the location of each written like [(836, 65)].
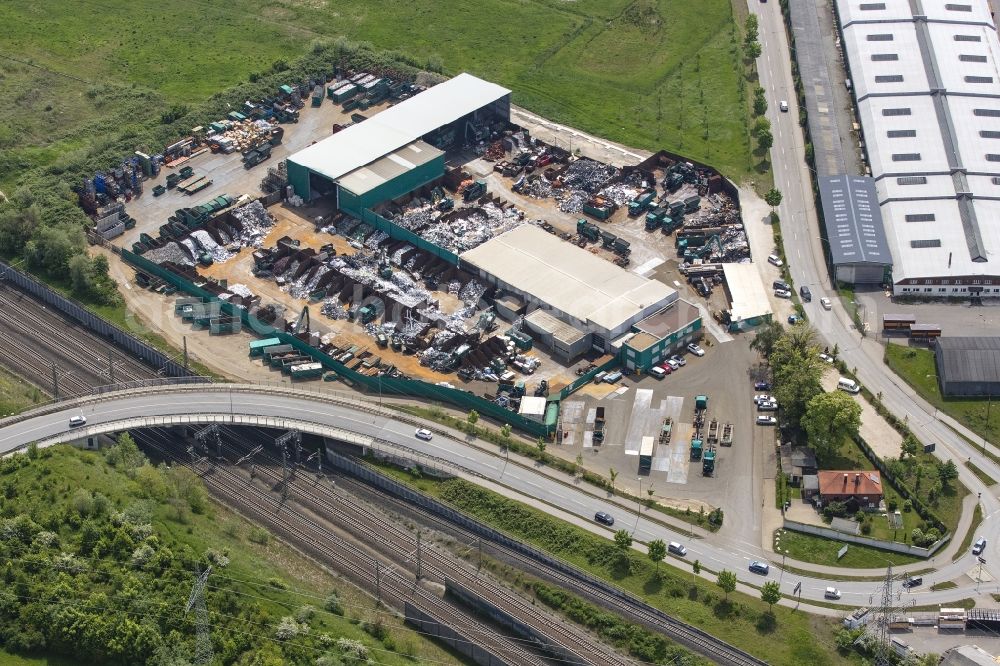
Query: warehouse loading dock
[(432, 114), (566, 342)]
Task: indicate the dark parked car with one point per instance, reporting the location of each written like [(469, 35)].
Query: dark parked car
[(762, 386), (604, 518)]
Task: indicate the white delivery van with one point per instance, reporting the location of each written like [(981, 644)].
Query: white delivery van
[(849, 385)]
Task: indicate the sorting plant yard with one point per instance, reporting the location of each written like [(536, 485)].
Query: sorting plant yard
[(388, 242)]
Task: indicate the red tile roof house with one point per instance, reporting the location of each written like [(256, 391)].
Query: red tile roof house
[(859, 486)]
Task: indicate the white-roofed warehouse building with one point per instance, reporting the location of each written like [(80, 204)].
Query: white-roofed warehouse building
[(578, 301), (397, 150), (926, 81)]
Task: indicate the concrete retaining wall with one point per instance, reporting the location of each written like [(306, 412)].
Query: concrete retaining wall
[(152, 357), (449, 636), (485, 607)]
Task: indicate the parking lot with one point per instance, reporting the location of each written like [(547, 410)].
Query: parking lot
[(636, 407), (955, 317)]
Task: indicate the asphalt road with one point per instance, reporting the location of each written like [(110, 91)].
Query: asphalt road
[(804, 251), (715, 553)]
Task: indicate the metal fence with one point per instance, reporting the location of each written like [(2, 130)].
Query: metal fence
[(382, 385), (437, 508), (126, 341)]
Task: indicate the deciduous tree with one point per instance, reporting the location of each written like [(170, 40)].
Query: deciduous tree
[(830, 418), (770, 594), (727, 581), (657, 550), (773, 197)]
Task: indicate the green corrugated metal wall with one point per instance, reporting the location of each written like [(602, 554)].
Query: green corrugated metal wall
[(393, 188), (298, 178), (646, 358)]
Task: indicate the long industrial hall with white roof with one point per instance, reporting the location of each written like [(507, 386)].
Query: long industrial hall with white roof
[(926, 82)]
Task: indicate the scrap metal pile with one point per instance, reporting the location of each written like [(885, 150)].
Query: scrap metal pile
[(241, 135), (581, 180), (719, 219), (220, 238), (461, 229)]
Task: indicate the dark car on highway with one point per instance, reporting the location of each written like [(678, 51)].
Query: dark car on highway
[(913, 581), (604, 518)]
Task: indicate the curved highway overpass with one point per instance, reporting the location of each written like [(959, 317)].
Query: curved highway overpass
[(347, 418)]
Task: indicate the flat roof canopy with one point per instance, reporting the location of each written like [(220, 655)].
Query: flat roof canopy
[(394, 164), (747, 292), (567, 278), (398, 125)]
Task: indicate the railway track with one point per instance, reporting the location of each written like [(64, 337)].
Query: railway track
[(622, 603), (34, 338), (395, 587), (626, 605), (393, 540)]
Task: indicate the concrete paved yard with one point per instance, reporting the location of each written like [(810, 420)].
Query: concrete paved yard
[(639, 410)]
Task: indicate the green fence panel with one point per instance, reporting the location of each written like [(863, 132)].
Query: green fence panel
[(383, 385), (398, 233), (586, 378)]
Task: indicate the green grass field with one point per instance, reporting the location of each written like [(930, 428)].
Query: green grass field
[(977, 520), (980, 474), (917, 368), (262, 581), (648, 73), (809, 548), (17, 395)]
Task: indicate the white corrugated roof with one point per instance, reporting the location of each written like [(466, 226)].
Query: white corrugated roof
[(398, 125), (569, 279), (955, 149), (747, 291), (532, 406)]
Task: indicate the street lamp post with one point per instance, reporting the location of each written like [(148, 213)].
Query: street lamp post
[(638, 508), (989, 403)]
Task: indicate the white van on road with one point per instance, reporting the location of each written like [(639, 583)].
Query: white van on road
[(849, 385)]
